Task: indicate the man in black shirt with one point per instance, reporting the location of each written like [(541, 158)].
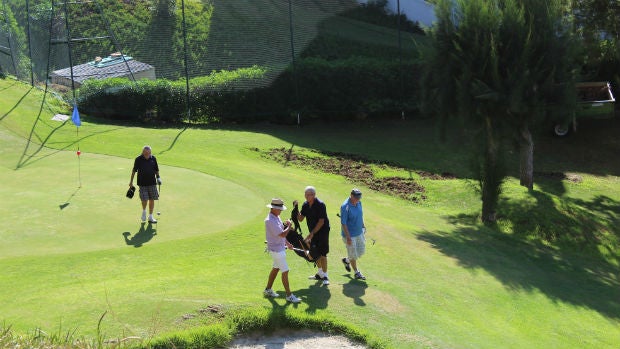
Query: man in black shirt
[(148, 178), (318, 227)]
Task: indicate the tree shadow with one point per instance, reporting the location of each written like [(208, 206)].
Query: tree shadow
[(557, 247), (355, 289), (316, 296), (588, 227), (551, 182), (145, 233)]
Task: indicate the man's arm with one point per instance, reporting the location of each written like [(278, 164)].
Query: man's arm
[(318, 226), (131, 179), (133, 172), (156, 169), (347, 235), (284, 233), (274, 230)]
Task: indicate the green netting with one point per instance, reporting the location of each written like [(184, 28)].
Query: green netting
[(221, 45)]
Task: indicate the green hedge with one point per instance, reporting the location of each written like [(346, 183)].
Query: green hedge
[(339, 89)]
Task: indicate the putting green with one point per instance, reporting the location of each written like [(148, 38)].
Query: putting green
[(62, 217)]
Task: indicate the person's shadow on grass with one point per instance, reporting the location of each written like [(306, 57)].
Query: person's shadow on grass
[(278, 308), (316, 296), (355, 289), (144, 235)]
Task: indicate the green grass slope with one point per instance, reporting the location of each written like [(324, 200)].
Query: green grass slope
[(436, 279)]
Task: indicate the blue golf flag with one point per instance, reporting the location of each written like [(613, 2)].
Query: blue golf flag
[(76, 116)]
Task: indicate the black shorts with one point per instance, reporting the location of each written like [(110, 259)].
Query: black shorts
[(319, 245)]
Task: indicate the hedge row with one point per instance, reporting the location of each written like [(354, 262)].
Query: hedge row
[(315, 87)]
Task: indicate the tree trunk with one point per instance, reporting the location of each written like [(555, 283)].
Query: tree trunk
[(492, 175), (526, 154)]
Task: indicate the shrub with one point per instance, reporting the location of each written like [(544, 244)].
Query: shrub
[(317, 87)]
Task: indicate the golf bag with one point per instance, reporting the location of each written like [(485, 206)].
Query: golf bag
[(295, 237)]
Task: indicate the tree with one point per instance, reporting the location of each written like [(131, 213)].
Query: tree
[(500, 66), (598, 25)]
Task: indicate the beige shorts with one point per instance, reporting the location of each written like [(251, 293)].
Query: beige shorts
[(279, 260), (357, 247)]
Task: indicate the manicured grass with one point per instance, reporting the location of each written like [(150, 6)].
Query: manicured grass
[(436, 278)]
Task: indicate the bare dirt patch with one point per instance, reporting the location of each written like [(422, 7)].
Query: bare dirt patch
[(561, 176), (293, 340), (359, 169)]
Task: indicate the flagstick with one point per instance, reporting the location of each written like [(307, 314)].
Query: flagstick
[(75, 117), (77, 129)]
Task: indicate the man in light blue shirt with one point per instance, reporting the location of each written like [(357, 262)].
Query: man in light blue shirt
[(353, 230)]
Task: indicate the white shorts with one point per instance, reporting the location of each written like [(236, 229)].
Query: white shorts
[(357, 247), (279, 260)]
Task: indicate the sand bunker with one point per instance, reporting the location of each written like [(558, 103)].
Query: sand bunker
[(294, 340)]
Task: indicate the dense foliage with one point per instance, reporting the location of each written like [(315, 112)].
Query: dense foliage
[(509, 61), (11, 34), (598, 26), (365, 87)]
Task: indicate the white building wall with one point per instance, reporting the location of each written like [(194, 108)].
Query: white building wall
[(416, 10)]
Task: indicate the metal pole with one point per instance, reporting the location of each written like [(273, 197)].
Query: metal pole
[(290, 19), (29, 42), (189, 110), (400, 62), (77, 128), (68, 32), (9, 38)]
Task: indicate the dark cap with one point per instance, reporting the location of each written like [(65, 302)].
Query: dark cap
[(356, 192)]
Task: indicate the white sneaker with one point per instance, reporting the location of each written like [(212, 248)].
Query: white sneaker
[(152, 219), (293, 299), (326, 281), (271, 293), (144, 216)]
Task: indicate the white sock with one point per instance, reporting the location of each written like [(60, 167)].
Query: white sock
[(151, 215), (321, 273)]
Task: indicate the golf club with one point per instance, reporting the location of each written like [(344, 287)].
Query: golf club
[(371, 239), (158, 204)]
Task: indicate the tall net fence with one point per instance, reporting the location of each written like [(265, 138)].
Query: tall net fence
[(211, 58)]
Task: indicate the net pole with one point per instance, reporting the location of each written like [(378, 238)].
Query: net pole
[(68, 33), (400, 61), (77, 132), (29, 42), (77, 128), (9, 38), (295, 82), (185, 60)]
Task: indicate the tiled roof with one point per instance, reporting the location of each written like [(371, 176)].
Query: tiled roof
[(91, 71)]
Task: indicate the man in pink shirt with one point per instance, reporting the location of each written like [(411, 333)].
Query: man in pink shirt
[(275, 234)]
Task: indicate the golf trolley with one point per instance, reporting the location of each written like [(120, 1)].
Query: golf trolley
[(295, 238)]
